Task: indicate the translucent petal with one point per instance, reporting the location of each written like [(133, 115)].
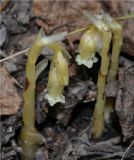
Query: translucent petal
[(54, 99), (87, 63), (95, 59), (40, 67)]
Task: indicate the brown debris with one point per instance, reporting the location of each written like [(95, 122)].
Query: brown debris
[(61, 124), (125, 103), (80, 148), (56, 13), (111, 88), (53, 14), (123, 90), (10, 101)]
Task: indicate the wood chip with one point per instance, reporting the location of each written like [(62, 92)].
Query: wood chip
[(10, 101)]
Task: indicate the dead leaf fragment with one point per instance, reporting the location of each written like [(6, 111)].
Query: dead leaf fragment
[(124, 105), (10, 101), (62, 15)]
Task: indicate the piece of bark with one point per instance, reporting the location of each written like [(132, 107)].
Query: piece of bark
[(8, 153), (124, 105), (123, 90), (3, 34), (78, 148), (8, 127), (10, 101), (111, 88)]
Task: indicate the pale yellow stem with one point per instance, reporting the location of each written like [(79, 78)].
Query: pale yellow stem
[(117, 43), (30, 137), (98, 117)]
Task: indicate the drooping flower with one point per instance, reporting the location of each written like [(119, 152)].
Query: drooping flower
[(55, 89), (58, 75), (90, 43), (61, 65)]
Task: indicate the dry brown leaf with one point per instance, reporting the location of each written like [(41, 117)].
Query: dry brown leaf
[(124, 105), (56, 13), (10, 101)]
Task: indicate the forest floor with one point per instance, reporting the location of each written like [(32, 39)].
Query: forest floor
[(66, 127)]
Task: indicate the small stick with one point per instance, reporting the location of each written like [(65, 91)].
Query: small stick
[(127, 150), (14, 55), (125, 17)]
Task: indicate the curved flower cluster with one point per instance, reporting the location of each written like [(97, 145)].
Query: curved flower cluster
[(58, 75)]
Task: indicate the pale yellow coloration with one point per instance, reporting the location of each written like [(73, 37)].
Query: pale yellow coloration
[(97, 38), (86, 62), (58, 75), (60, 62), (54, 87), (90, 43), (110, 30), (117, 31), (30, 137), (98, 117)]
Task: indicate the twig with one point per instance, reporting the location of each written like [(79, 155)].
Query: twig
[(127, 150), (14, 55), (125, 17), (60, 26)]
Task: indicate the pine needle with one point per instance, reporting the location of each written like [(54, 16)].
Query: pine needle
[(127, 150), (14, 55)]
